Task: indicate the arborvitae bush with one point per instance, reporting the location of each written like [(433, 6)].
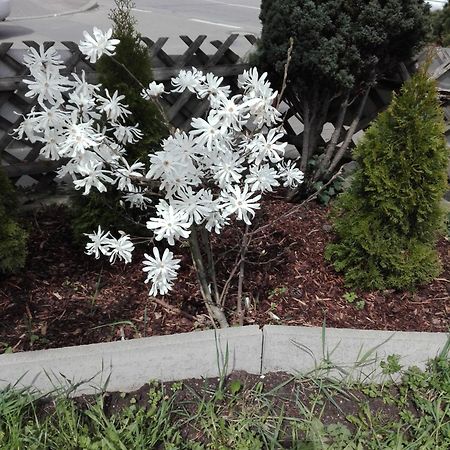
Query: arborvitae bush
[(105, 209), (388, 221), (13, 239)]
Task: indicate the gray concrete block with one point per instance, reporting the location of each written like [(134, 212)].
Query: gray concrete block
[(127, 365), (302, 349)]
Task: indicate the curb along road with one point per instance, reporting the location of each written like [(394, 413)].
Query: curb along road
[(127, 365), (90, 4)]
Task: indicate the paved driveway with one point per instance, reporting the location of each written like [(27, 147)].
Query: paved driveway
[(57, 20)]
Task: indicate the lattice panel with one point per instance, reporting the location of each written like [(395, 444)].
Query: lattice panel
[(21, 160)]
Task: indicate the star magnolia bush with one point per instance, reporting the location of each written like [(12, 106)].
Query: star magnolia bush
[(206, 177)]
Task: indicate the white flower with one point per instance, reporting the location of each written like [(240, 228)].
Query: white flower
[(28, 128), (121, 248), (161, 271), (99, 243), (48, 118), (227, 168), (187, 79), (206, 132), (183, 143), (137, 200), (94, 176), (43, 60), (165, 165), (263, 148), (80, 137), (231, 113), (251, 81), (47, 86), (127, 134), (291, 174), (170, 225), (192, 204), (101, 43), (126, 172), (154, 90), (240, 203), (112, 107), (262, 178), (214, 219), (52, 147), (212, 89)]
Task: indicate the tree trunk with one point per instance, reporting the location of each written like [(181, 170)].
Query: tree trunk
[(331, 147), (306, 130), (348, 138), (214, 310)]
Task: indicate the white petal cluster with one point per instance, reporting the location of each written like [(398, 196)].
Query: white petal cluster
[(98, 44), (104, 243), (154, 90), (207, 177), (161, 271)]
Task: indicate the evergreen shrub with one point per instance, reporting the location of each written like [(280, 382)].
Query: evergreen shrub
[(388, 221), (13, 239), (106, 209)]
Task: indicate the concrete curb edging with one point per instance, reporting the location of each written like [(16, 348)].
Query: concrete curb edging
[(357, 352), (90, 4), (127, 365)]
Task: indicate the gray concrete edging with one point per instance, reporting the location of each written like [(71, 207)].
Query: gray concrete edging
[(90, 4), (127, 365), (344, 352)]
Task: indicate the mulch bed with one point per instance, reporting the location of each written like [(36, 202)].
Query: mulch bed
[(64, 298)]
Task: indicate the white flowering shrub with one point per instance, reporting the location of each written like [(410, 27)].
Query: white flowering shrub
[(202, 179)]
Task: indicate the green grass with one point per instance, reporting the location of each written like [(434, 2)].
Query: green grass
[(300, 412)]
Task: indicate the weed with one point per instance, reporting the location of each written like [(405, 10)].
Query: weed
[(277, 292), (352, 298)]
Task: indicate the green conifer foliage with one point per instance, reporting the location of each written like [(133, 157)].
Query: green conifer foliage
[(387, 222), (341, 48), (105, 209), (13, 239)]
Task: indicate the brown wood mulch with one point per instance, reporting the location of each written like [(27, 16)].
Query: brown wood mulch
[(63, 297)]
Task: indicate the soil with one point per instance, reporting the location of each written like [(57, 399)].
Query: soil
[(64, 297)]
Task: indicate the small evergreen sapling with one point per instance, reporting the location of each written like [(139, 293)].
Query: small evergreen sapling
[(13, 239), (387, 222), (131, 55)]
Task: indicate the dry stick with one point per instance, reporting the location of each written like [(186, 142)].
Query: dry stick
[(174, 309), (286, 69)]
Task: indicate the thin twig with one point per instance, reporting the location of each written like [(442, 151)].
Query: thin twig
[(286, 69), (172, 308), (156, 101), (228, 282), (300, 205)]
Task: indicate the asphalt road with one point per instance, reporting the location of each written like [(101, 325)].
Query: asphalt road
[(55, 20)]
